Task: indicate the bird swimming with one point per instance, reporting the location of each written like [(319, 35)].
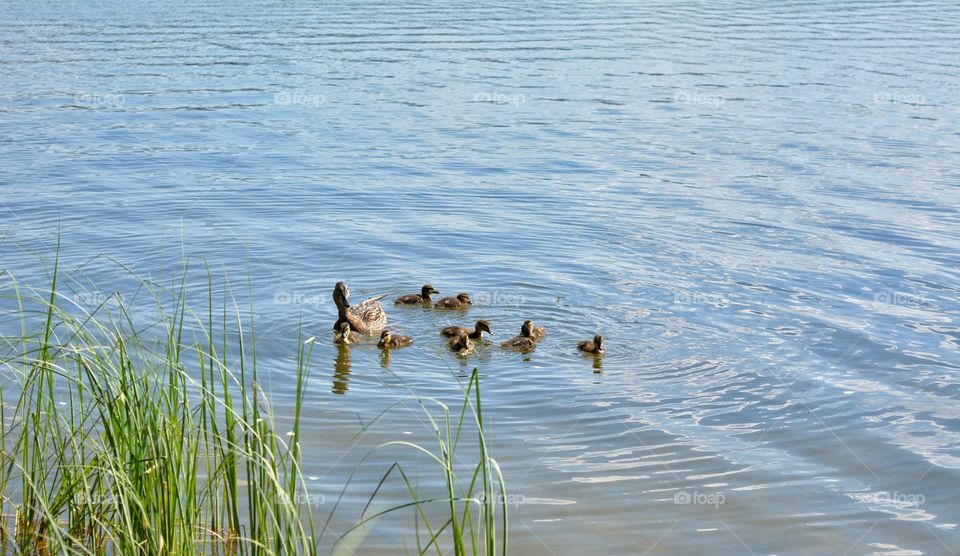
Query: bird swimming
[(476, 334), (461, 343), (536, 332), (459, 302), (366, 317), (525, 341), (345, 335), (413, 298), (388, 340), (594, 346)]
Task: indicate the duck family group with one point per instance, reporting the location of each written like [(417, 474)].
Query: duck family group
[(368, 317)]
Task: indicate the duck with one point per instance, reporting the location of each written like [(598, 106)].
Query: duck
[(345, 335), (536, 332), (461, 343), (366, 317), (525, 341), (594, 346), (459, 302), (414, 298), (388, 340), (476, 334)]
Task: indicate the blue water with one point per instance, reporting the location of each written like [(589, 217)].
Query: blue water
[(756, 203)]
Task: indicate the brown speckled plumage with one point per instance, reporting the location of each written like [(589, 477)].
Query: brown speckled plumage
[(366, 317)]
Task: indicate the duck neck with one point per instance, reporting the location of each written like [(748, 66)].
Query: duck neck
[(342, 306), (477, 334)]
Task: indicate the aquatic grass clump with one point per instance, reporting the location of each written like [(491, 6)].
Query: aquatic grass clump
[(122, 439), (471, 507), (114, 446)]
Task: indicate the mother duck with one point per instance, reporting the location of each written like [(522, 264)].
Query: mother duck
[(366, 317)]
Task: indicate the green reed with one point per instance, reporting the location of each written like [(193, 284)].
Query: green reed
[(471, 507), (160, 440)]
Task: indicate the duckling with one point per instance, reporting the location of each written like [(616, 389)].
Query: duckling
[(388, 340), (366, 317), (345, 335), (476, 334), (521, 343), (413, 298), (536, 332), (461, 343), (525, 341), (594, 346), (459, 302)]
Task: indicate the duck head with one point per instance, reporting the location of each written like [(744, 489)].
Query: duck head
[(427, 290), (462, 297), (341, 294), (484, 326), (526, 329), (598, 341)]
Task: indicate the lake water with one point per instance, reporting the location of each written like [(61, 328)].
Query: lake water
[(755, 202)]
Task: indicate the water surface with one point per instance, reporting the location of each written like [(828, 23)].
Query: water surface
[(756, 203)]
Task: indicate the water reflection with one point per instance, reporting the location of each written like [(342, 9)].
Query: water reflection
[(385, 358), (341, 370), (597, 363)]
